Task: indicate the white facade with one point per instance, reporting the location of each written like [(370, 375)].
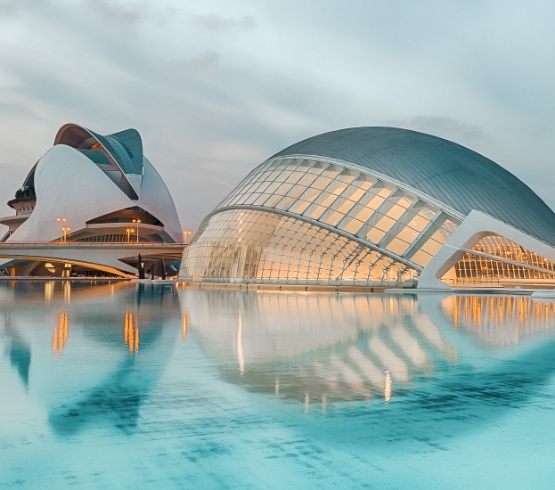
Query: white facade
[(84, 189)]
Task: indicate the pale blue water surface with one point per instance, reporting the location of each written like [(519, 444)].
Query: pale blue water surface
[(123, 385)]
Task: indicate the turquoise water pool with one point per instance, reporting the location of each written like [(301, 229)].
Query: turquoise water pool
[(140, 386)]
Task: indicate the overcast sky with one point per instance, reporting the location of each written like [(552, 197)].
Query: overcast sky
[(217, 86)]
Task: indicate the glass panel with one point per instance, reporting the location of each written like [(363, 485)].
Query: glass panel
[(385, 223), (321, 183), (364, 182), (310, 194), (397, 246), (353, 193), (299, 207), (408, 234), (285, 203), (295, 177), (347, 176), (263, 186), (431, 246), (351, 225), (332, 217), (261, 199), (363, 213), (308, 179), (396, 212), (403, 199), (343, 205), (421, 258), (315, 211), (332, 171), (375, 235), (250, 199)]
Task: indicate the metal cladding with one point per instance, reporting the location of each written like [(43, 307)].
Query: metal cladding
[(375, 207), (454, 175)]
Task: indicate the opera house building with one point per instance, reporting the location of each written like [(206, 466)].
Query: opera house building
[(90, 189), (376, 207)]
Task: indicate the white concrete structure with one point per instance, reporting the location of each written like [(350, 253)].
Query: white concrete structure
[(377, 207), (93, 188), (106, 257)]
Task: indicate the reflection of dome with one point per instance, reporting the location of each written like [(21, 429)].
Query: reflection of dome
[(93, 188), (374, 206), (290, 344), (382, 340)]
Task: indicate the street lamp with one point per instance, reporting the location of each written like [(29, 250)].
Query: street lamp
[(137, 221), (186, 233), (129, 231), (65, 228)]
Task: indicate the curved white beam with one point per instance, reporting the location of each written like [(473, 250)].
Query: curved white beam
[(475, 227)]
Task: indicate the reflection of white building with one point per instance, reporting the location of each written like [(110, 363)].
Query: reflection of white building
[(358, 345), (381, 340), (376, 207), (92, 188)]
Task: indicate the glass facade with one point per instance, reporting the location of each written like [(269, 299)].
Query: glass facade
[(497, 258), (385, 234), (354, 202), (261, 247)]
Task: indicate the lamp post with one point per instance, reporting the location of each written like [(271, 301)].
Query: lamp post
[(186, 233), (65, 228), (137, 221), (129, 231)]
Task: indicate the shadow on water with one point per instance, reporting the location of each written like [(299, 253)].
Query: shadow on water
[(411, 367)]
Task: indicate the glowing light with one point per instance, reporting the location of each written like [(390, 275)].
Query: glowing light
[(131, 332), (60, 335), (137, 221), (186, 234)]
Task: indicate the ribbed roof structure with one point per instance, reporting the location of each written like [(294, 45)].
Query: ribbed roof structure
[(461, 178)]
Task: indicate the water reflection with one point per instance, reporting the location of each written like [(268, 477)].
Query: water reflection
[(499, 320), (93, 381), (131, 332), (324, 348), (98, 351), (59, 337)]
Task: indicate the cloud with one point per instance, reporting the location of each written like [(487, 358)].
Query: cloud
[(216, 23), (216, 87)]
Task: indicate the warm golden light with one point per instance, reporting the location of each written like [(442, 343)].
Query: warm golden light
[(137, 221), (129, 231), (186, 234), (131, 332), (387, 387), (59, 337), (185, 325)]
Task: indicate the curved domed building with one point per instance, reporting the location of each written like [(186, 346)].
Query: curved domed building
[(91, 188), (376, 206)]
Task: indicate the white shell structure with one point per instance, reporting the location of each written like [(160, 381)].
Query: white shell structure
[(71, 185), (93, 188)]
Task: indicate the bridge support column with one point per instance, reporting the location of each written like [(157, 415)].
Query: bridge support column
[(12, 271)]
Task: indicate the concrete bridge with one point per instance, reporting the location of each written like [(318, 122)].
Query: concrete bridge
[(101, 256)]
